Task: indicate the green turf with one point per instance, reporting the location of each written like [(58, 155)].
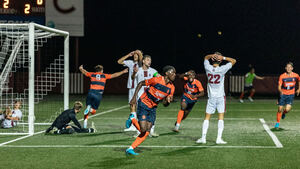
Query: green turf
[(249, 145)]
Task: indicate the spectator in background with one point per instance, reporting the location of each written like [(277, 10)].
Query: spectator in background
[(248, 87), (12, 116)]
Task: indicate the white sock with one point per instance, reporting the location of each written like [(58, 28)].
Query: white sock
[(85, 123), (152, 129), (220, 128), (177, 125), (134, 114), (130, 147), (204, 128)]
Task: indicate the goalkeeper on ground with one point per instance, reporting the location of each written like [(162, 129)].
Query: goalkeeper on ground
[(61, 123)]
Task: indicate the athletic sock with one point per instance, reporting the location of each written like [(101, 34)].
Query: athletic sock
[(204, 128), (251, 94), (136, 124), (242, 95), (220, 128), (86, 117), (139, 139), (152, 129), (179, 116), (279, 114)]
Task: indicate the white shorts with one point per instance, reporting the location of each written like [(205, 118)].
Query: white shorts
[(218, 103), (130, 94)]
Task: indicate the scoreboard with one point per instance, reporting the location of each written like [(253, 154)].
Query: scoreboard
[(22, 11)]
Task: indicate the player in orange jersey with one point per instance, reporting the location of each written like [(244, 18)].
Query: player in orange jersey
[(286, 87), (192, 91), (98, 80), (160, 89)]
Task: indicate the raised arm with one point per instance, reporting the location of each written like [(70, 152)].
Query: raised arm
[(83, 71), (117, 74), (138, 52), (121, 60), (220, 57), (259, 77), (207, 57)]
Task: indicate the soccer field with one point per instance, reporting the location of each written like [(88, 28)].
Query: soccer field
[(252, 141)]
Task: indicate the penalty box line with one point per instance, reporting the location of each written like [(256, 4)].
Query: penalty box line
[(98, 114), (126, 146), (271, 134)]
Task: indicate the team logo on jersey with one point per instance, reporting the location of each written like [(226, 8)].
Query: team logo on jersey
[(143, 117), (213, 70)]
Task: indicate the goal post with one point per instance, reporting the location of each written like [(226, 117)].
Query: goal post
[(53, 70)]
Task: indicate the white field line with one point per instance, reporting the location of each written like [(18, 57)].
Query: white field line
[(166, 118), (126, 146), (21, 138), (272, 135)]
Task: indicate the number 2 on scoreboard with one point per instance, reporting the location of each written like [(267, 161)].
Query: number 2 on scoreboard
[(27, 9)]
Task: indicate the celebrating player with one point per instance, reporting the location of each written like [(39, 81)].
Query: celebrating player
[(133, 65), (98, 80), (286, 87), (192, 91), (160, 88), (143, 73), (216, 95), (248, 87)]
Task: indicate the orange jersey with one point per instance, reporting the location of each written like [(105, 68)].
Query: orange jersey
[(193, 88), (288, 83), (156, 91), (98, 81)]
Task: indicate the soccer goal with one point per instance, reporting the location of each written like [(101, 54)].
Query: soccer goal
[(34, 67)]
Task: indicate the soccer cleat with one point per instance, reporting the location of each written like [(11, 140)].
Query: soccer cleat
[(130, 151), (241, 101), (201, 141), (250, 99), (128, 121), (176, 129), (283, 116), (131, 128), (93, 127), (277, 125), (220, 141), (87, 110), (153, 134)]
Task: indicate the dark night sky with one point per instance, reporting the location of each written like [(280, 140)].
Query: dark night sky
[(265, 33)]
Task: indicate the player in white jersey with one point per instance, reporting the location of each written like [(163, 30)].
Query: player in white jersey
[(215, 90), (145, 72), (12, 117), (131, 83)]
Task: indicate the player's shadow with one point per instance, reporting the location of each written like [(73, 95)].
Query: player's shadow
[(179, 152), (110, 142), (168, 134), (277, 129), (110, 162), (98, 134)]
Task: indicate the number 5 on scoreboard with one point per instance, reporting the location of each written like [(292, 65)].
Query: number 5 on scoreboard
[(213, 78)]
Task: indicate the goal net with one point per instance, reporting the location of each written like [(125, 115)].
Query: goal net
[(34, 73)]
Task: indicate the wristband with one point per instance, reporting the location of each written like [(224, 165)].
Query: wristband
[(224, 58)]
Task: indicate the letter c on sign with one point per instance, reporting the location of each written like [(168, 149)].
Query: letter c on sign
[(61, 9)]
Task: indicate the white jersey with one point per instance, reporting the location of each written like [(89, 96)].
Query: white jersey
[(142, 75), (131, 83), (6, 123), (215, 79)]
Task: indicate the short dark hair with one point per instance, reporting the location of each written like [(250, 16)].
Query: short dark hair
[(166, 69), (146, 56), (218, 53), (77, 105), (98, 68)]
